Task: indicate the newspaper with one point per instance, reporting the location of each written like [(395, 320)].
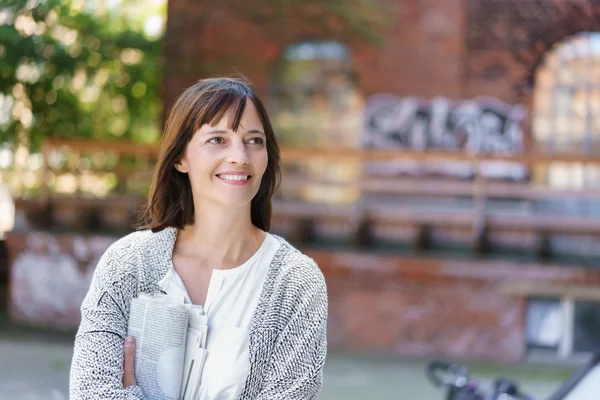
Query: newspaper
[(170, 346)]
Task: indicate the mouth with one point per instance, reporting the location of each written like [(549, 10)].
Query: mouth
[(237, 178)]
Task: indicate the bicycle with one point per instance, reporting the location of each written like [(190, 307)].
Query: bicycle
[(458, 386)]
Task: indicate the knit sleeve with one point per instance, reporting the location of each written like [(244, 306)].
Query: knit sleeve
[(295, 370), (97, 365)]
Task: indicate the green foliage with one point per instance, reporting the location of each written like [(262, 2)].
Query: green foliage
[(67, 72)]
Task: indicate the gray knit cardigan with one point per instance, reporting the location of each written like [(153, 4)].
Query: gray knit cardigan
[(288, 339)]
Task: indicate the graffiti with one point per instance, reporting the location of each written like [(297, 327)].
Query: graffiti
[(49, 278), (481, 125)]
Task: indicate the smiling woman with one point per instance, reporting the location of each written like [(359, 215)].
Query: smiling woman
[(243, 152), (205, 239), (218, 126)]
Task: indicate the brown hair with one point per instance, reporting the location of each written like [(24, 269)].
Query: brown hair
[(170, 202)]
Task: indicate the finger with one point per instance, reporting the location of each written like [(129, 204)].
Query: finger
[(128, 373)]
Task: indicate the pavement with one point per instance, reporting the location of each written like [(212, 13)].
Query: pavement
[(36, 367)]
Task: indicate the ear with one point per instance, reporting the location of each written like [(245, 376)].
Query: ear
[(181, 167)]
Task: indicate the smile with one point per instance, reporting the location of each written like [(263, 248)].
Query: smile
[(235, 179)]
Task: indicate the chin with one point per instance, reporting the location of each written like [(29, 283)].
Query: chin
[(235, 201)]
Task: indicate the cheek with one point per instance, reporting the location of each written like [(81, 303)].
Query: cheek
[(202, 163), (261, 160)]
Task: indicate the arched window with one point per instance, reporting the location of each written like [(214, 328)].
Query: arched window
[(314, 102), (566, 116)]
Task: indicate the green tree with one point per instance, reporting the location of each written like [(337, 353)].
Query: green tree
[(71, 72)]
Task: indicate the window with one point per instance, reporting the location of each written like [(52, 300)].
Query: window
[(586, 330), (566, 102), (544, 327), (315, 103), (562, 327)]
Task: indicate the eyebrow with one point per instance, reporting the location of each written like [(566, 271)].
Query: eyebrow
[(220, 132)]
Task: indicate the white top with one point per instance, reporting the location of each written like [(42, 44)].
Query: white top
[(231, 300)]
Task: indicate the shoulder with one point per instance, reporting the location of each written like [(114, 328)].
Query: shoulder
[(125, 248), (126, 252), (297, 272)]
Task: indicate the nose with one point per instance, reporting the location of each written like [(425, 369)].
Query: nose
[(238, 154)]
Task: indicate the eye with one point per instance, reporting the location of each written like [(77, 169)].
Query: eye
[(257, 140), (215, 140)]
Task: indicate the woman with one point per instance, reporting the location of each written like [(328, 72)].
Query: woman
[(206, 238)]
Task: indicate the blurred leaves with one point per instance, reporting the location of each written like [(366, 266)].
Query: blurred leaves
[(67, 71), (81, 69)]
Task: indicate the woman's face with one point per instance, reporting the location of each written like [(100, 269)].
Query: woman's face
[(224, 166)]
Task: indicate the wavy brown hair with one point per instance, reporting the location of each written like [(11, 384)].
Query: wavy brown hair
[(170, 202)]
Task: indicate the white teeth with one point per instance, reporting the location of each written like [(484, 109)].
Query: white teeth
[(235, 177)]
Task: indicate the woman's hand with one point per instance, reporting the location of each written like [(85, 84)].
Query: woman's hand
[(128, 374)]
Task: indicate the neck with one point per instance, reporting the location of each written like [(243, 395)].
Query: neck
[(220, 237)]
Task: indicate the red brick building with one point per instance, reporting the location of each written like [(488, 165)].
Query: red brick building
[(526, 71), (458, 49)]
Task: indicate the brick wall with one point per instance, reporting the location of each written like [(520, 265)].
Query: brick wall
[(379, 304), (432, 307), (458, 49), (421, 55), (49, 275)]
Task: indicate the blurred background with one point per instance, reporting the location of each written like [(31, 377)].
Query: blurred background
[(440, 163)]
